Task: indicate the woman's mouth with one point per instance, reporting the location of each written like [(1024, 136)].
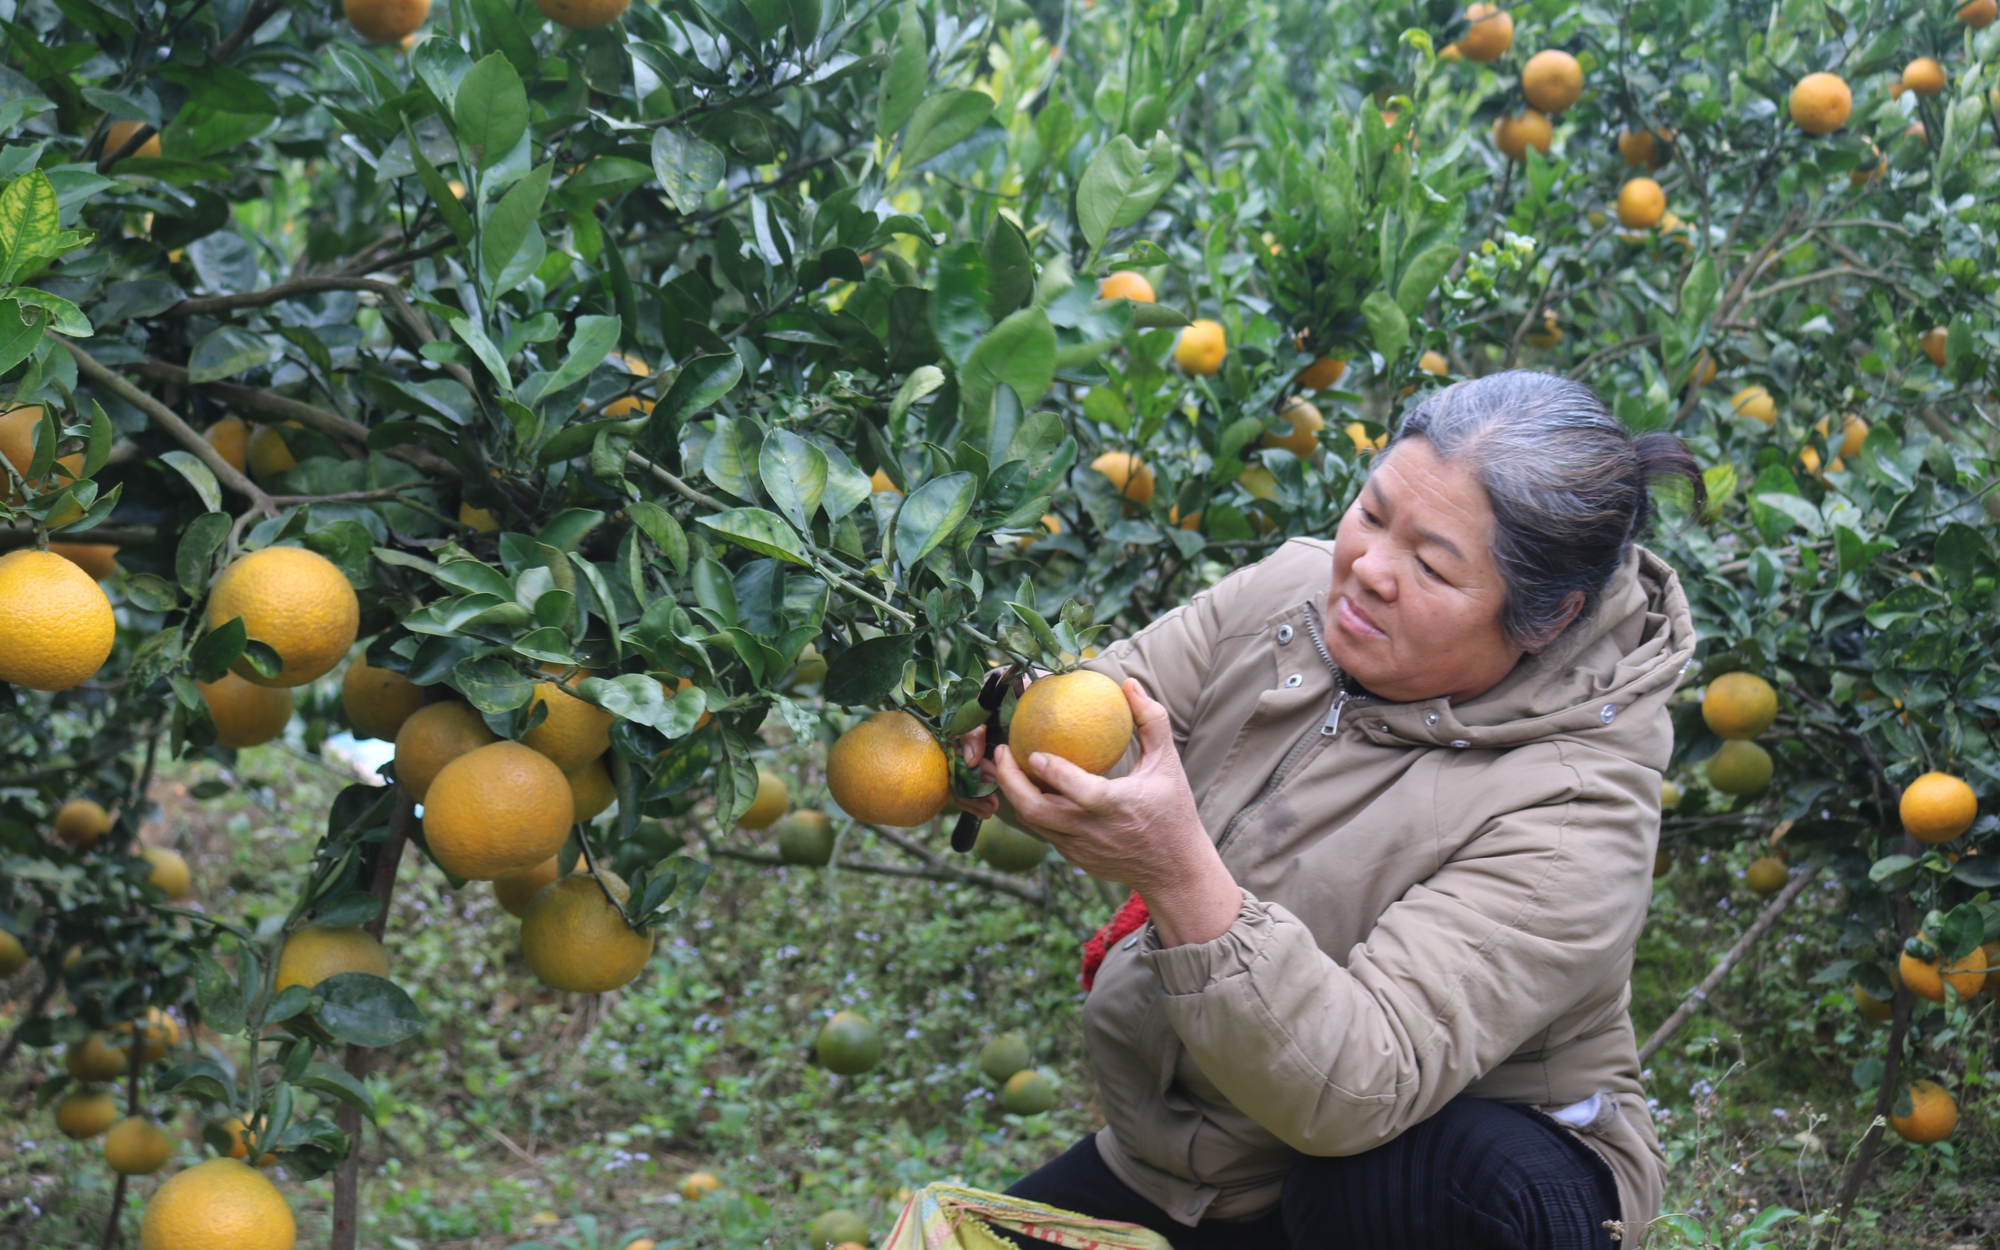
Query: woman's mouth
[(1354, 621)]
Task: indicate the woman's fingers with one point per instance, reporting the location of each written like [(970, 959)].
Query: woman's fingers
[(984, 808), (972, 746), (1086, 790), (1035, 806), (1149, 717)]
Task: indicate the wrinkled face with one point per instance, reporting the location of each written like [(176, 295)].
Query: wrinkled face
[(1416, 601)]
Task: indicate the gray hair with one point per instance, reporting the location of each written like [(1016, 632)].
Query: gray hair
[(1568, 485)]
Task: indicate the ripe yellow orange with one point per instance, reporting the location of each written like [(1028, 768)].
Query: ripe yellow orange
[(296, 601), (96, 1059), (1647, 149), (1702, 372), (1820, 103), (514, 890), (879, 481), (81, 822), (221, 1204), (1740, 768), (1434, 363), (626, 405), (1259, 481), (499, 808), (1853, 433), (1357, 434), (1490, 34), (1755, 402), (267, 454), (1809, 460), (1128, 474), (591, 790), (582, 14), (889, 770), (245, 715), (117, 133), (1766, 876), (231, 439), (1320, 374), (773, 797), (1924, 76), (696, 1185), (1641, 204), (1124, 284), (434, 736), (377, 700), (1191, 522), (1670, 796), (1739, 705), (1552, 80), (170, 872), (477, 519), (1978, 14), (574, 732), (1869, 1005), (13, 955), (1201, 347), (1051, 524), (100, 560), (241, 1139), (18, 428), (56, 626), (312, 955), (1515, 135), (1933, 342), (386, 21), (1933, 1114), (136, 1146), (1938, 807), (1927, 977), (1082, 716), (86, 1113), (158, 1033), (575, 939), (1306, 424)]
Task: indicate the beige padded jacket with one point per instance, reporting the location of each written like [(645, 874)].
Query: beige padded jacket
[(1439, 898)]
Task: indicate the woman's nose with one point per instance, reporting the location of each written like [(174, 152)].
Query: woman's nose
[(1375, 568)]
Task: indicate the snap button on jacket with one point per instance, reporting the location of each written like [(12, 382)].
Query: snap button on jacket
[(1438, 898)]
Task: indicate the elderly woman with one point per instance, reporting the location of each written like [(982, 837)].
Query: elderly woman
[(1391, 834)]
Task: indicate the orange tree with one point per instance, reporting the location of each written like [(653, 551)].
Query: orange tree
[(606, 360)]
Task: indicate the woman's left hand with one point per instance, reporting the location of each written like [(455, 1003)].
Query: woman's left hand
[(1142, 828)]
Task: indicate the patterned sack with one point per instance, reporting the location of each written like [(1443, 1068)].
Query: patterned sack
[(952, 1217)]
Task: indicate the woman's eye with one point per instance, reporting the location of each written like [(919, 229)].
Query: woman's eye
[(1429, 570), (1369, 517)]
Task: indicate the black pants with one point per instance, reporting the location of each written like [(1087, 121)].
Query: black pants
[(1478, 1175)]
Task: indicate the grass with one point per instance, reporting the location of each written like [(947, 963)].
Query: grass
[(523, 1115)]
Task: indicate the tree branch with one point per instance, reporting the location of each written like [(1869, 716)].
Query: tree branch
[(229, 475), (293, 289), (111, 535), (963, 876)]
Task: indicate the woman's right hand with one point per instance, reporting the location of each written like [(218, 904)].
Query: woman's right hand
[(972, 747)]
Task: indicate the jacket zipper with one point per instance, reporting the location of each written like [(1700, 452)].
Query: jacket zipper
[(1328, 727)]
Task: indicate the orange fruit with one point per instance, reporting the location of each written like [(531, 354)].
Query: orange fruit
[(1853, 433), (434, 736), (626, 405), (386, 21), (86, 1113), (1924, 76), (1434, 363), (296, 601), (1869, 1005), (1083, 716), (1552, 80), (575, 939), (1306, 424), (1641, 204), (267, 454), (1926, 977), (118, 132), (1128, 474), (773, 797), (1820, 103), (1978, 14), (1320, 374), (496, 809), (1051, 524), (312, 955), (100, 560), (1490, 34), (1259, 481), (1933, 1114), (96, 1059), (1124, 284), (1548, 335), (1740, 768), (889, 770), (245, 715), (56, 626), (847, 1044), (1933, 342), (1357, 434), (1027, 1092), (14, 956), (159, 1032), (1868, 171), (879, 482), (170, 872), (582, 14), (136, 1146), (81, 822), (591, 790), (695, 1185), (1756, 403), (1515, 135), (1647, 149), (574, 732), (1201, 347), (17, 443), (221, 1204), (514, 890), (231, 439), (377, 700), (241, 1139), (1937, 807), (1766, 876), (1739, 705), (478, 520)]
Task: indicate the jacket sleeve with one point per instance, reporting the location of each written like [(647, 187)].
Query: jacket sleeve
[(1459, 974)]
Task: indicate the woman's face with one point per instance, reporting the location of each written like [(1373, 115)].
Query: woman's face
[(1416, 602)]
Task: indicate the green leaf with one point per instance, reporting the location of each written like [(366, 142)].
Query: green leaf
[(68, 318), (794, 473), (932, 514), (19, 333), (324, 1078), (216, 993), (867, 672), (595, 337), (666, 533), (1020, 351), (438, 189), (1386, 324), (1121, 184), (688, 168), (508, 224), (629, 696), (362, 1009), (225, 352), (1423, 275), (504, 30), (202, 538), (1010, 267), (729, 459), (1699, 293), (198, 476), (492, 684), (903, 81), (760, 531), (942, 121), (490, 113), (219, 648), (470, 333), (30, 222), (700, 383)]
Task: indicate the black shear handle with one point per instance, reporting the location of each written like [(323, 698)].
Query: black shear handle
[(991, 695)]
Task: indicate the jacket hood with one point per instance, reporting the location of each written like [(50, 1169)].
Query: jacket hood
[(1627, 656)]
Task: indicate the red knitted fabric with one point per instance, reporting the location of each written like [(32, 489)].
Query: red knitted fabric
[(1130, 918)]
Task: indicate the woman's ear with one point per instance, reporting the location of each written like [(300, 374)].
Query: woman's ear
[(1571, 605)]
